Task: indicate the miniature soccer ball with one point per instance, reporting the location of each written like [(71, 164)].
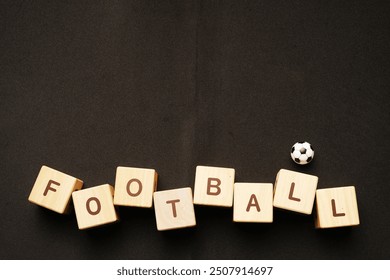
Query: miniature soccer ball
[(302, 153)]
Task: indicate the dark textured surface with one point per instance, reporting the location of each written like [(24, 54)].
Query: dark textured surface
[(85, 87)]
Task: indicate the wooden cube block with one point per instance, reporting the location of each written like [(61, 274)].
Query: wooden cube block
[(295, 191), (336, 207), (174, 209), (135, 186), (253, 203), (94, 206), (53, 189), (214, 186)]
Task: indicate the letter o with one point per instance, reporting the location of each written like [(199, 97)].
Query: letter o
[(139, 187), (98, 206)]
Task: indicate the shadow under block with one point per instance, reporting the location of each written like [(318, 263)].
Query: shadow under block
[(295, 191), (336, 207), (135, 186), (253, 203), (214, 186), (174, 209), (52, 189), (94, 206)]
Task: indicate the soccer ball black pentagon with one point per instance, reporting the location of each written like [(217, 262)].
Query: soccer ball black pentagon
[(302, 153)]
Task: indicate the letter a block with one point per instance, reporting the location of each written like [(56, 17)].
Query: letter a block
[(135, 186), (53, 189), (336, 207), (214, 186), (94, 206), (295, 191), (253, 203), (174, 209)]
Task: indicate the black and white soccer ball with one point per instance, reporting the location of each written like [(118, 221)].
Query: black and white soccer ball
[(302, 153)]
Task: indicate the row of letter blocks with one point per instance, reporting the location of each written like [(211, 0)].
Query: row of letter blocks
[(214, 186)]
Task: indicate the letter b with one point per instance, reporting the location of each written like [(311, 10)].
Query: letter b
[(213, 183), (214, 186)]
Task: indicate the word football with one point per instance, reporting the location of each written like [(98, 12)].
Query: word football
[(214, 186)]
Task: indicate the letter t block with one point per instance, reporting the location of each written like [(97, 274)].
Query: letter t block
[(53, 189), (174, 209)]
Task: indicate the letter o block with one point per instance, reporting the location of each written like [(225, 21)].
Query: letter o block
[(53, 189), (214, 186), (295, 191), (174, 209), (135, 186), (94, 206)]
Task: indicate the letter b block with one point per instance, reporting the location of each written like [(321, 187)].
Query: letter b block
[(135, 186), (53, 189), (214, 186), (295, 191), (94, 206), (336, 207), (174, 209)]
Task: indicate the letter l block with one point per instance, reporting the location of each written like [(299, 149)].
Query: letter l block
[(336, 207), (295, 191)]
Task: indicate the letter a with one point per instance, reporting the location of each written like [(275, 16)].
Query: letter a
[(253, 202)]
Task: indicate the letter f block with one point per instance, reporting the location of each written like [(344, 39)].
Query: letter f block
[(214, 186), (53, 189)]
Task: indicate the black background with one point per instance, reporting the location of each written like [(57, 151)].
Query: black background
[(86, 87)]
